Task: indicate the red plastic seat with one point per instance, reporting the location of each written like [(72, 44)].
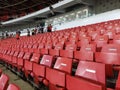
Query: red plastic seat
[(55, 51), (109, 54), (68, 52), (10, 57), (4, 79), (92, 71), (110, 33), (74, 83), (47, 60), (62, 66), (35, 57), (14, 58), (84, 41), (101, 40), (13, 87), (116, 39), (28, 65), (6, 56), (86, 52), (45, 50), (38, 73), (39, 69), (20, 60)]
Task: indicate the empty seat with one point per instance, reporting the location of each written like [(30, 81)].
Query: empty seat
[(110, 33), (39, 69), (74, 83), (86, 52), (55, 51), (84, 41), (101, 40), (57, 76), (10, 57), (109, 54), (13, 87), (20, 60), (35, 57), (92, 71), (14, 58), (28, 66), (68, 52), (45, 50), (47, 60), (116, 39), (4, 79)]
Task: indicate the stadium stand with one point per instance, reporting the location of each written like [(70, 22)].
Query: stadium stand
[(79, 56)]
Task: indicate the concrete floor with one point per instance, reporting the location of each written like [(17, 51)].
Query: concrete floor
[(14, 79)]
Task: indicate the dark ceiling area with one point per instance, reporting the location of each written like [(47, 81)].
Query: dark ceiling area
[(10, 9)]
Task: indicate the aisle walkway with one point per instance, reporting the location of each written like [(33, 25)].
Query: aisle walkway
[(14, 79)]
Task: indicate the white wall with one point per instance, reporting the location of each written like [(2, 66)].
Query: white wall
[(111, 15)]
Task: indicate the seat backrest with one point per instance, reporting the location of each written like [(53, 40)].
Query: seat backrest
[(48, 46), (116, 39), (5, 51), (58, 47), (21, 54), (92, 71), (47, 60), (35, 45), (13, 87), (71, 47), (63, 64), (55, 77), (88, 47), (8, 52), (35, 58), (111, 48), (38, 70), (85, 40), (30, 46), (16, 53), (4, 79), (27, 55), (74, 83), (101, 38), (12, 52), (41, 46)]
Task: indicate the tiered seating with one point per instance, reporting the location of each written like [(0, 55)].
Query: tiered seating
[(44, 57)]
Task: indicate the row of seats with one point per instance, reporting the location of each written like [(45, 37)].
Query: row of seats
[(109, 54), (4, 83)]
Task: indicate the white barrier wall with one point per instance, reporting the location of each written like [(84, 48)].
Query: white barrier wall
[(110, 15)]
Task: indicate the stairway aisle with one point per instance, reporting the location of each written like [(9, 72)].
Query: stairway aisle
[(14, 79)]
